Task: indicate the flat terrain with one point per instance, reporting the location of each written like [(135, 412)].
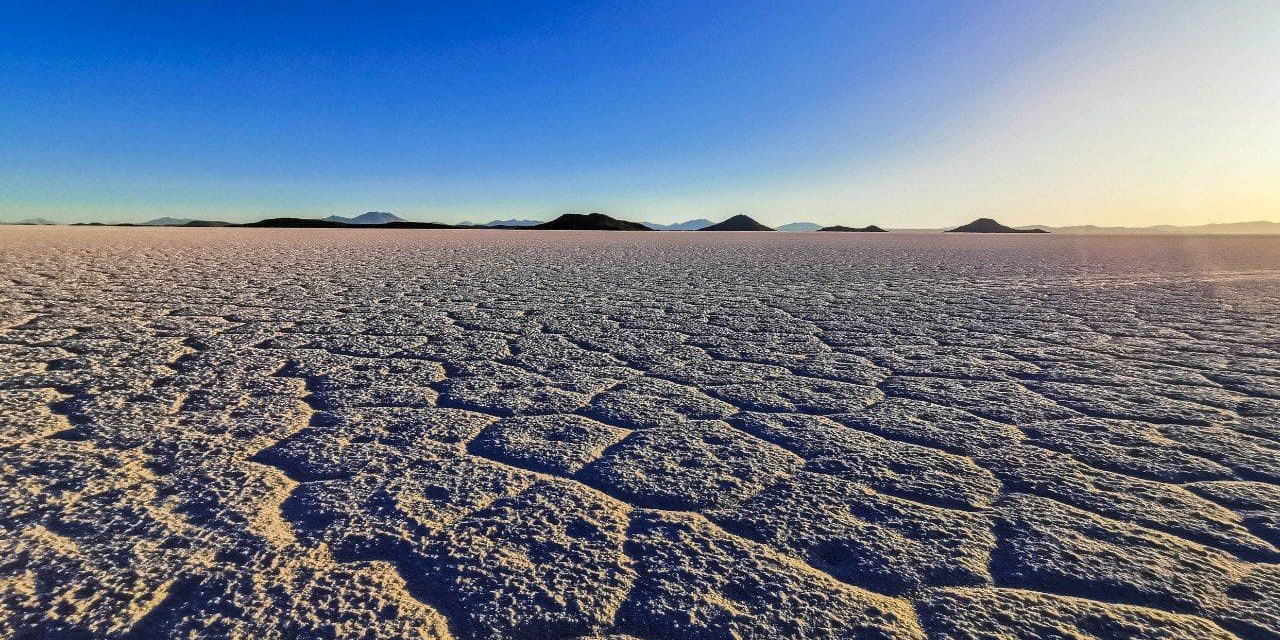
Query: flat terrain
[(210, 433)]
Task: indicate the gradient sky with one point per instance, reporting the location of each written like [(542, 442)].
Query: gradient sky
[(903, 114)]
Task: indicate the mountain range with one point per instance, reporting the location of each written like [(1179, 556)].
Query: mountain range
[(317, 223), (702, 223), (688, 225), (370, 217), (380, 219), (1259, 227), (513, 222), (165, 221)]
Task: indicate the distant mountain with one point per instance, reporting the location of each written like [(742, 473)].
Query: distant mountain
[(738, 223), (589, 222), (317, 223), (871, 228), (183, 222), (1087, 229), (371, 217), (1260, 227), (406, 224), (165, 222), (34, 221), (514, 222), (304, 223), (799, 227), (1255, 227), (987, 225), (688, 225)]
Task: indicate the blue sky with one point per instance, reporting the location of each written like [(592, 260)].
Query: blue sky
[(898, 113)]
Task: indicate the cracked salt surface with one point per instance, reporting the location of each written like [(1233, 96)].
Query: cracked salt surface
[(210, 433)]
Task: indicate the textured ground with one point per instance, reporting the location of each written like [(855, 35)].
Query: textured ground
[(464, 434)]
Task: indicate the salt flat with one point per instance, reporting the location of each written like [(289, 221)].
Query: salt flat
[(210, 433)]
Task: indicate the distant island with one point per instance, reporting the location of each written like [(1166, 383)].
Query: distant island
[(738, 223), (987, 225), (871, 228), (590, 222), (300, 223)]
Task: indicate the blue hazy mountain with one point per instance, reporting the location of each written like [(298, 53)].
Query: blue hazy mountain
[(687, 225), (514, 222), (372, 217), (1259, 227), (795, 227)]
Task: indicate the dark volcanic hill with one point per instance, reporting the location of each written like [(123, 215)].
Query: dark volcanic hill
[(589, 222), (987, 225), (871, 228), (738, 223), (308, 223)]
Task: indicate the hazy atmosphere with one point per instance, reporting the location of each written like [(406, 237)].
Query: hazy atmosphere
[(904, 114)]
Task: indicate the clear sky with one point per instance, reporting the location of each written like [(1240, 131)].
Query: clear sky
[(899, 113)]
